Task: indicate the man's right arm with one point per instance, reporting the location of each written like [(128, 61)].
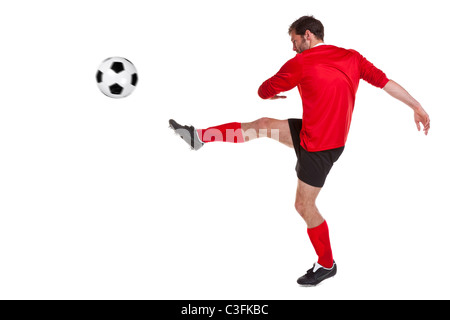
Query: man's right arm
[(420, 115), (376, 77)]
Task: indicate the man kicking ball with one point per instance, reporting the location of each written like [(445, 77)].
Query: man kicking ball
[(327, 78)]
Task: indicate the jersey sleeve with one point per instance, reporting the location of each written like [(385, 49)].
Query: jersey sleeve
[(372, 74), (284, 80)]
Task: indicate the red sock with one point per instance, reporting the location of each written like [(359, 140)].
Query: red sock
[(229, 132), (320, 240)]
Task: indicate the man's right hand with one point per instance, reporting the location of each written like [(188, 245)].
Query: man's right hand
[(421, 117)]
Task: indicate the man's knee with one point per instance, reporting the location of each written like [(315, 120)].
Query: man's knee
[(269, 127), (264, 128), (304, 208), (300, 207), (264, 123), (257, 129)]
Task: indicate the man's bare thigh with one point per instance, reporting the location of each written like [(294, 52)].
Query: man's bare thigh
[(268, 127)]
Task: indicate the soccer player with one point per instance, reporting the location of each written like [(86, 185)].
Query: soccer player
[(327, 78)]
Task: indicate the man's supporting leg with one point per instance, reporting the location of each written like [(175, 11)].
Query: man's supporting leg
[(305, 204)]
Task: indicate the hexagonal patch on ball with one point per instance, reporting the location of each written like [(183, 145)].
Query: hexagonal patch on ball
[(117, 67)]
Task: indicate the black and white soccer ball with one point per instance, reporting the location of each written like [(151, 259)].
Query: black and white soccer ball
[(117, 77)]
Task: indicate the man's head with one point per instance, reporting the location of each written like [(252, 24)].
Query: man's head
[(305, 33)]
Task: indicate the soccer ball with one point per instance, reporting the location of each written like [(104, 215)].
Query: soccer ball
[(116, 77)]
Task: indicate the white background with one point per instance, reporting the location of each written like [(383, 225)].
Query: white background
[(99, 200)]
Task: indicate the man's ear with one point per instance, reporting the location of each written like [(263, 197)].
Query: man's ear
[(308, 35)]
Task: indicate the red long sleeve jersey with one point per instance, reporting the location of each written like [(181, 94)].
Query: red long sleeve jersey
[(327, 78)]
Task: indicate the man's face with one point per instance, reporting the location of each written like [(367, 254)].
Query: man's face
[(299, 43)]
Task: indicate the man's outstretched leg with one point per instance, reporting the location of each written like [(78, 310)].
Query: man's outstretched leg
[(235, 132), (305, 204), (267, 127), (187, 133)]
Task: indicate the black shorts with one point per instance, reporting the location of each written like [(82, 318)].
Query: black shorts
[(312, 167)]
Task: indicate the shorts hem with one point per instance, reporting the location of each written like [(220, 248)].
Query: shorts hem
[(310, 182)]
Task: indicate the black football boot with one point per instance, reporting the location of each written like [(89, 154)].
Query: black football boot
[(187, 133), (317, 274)]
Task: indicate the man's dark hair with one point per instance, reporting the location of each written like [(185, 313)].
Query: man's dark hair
[(308, 23)]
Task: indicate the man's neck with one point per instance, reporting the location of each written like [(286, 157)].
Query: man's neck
[(316, 43)]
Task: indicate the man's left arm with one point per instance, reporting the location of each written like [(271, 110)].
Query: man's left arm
[(286, 79)]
